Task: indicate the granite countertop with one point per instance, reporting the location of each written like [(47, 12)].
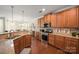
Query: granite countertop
[(7, 45), (65, 35), (11, 32)]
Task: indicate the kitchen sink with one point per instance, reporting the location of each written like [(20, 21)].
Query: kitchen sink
[(13, 37)]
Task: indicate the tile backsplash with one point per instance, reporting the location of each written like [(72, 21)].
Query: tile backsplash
[(65, 30)]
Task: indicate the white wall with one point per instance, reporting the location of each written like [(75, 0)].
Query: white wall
[(1, 26), (16, 25)]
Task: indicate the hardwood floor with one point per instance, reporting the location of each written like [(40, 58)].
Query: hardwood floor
[(39, 47)]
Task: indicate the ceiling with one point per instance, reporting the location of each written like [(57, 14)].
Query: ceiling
[(30, 11)]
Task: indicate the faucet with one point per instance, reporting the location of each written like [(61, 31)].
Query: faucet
[(10, 33)]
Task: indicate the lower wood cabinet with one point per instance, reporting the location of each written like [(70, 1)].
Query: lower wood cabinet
[(71, 45), (21, 43), (59, 42), (51, 40), (17, 46), (66, 44), (27, 40)]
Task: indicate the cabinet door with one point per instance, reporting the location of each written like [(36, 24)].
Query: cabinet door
[(72, 18), (59, 42), (51, 39), (17, 46), (53, 20), (48, 18), (21, 43), (60, 19), (42, 22), (45, 19), (28, 40), (71, 45)]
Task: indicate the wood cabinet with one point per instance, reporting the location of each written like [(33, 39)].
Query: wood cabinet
[(45, 18), (71, 18), (60, 19), (21, 43), (53, 20), (48, 18), (65, 19), (17, 46), (59, 41), (66, 44), (42, 22), (51, 39), (68, 18), (78, 16), (71, 45), (28, 41)]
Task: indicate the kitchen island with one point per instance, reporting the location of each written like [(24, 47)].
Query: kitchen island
[(15, 45)]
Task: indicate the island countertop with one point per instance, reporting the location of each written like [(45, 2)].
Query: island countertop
[(7, 45)]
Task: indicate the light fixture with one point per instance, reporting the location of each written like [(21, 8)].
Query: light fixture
[(12, 13), (43, 9), (12, 23), (23, 15)]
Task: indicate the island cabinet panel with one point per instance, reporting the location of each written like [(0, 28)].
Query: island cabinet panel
[(17, 46), (51, 39), (71, 45), (72, 18), (21, 43), (28, 42), (53, 20), (59, 42)]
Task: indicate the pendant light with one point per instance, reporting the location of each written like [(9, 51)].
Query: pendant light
[(22, 24), (12, 24), (12, 7), (23, 15)]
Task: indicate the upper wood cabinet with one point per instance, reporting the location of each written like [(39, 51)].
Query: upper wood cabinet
[(78, 16), (68, 18), (65, 19), (45, 19), (61, 19), (48, 18), (53, 20), (42, 21), (71, 16)]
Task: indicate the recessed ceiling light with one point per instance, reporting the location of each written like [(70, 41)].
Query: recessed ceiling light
[(43, 9)]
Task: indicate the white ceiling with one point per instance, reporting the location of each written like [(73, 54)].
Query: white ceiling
[(30, 11)]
